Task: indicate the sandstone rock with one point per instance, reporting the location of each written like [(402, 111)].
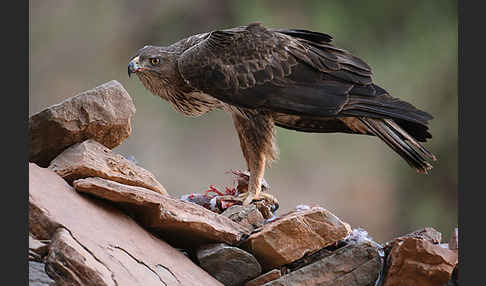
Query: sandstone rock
[(180, 223), (38, 275), (71, 264), (91, 159), (229, 265), (101, 239), (102, 114), (294, 235), (37, 249), (264, 278), (248, 216), (419, 260), (350, 265)]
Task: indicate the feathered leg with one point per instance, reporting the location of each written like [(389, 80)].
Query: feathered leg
[(257, 139)]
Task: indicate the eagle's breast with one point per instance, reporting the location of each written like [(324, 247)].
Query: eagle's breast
[(193, 103)]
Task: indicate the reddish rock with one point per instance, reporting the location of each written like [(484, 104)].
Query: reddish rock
[(229, 265), (102, 114), (91, 159), (69, 263), (351, 265), (264, 278), (100, 240), (294, 235), (179, 223), (419, 259)]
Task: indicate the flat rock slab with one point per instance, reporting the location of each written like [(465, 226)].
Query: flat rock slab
[(350, 265), (264, 278), (294, 235), (92, 238), (92, 159), (419, 259), (102, 114), (180, 223), (229, 265)]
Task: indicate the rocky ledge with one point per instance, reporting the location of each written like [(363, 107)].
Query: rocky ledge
[(97, 218)]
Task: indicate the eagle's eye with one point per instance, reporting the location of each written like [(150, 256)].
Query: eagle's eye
[(154, 61)]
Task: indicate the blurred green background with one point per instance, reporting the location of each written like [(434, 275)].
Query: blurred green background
[(411, 46)]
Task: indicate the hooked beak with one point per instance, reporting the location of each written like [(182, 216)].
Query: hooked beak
[(134, 66)]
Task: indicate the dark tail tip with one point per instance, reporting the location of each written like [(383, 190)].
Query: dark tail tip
[(401, 142)]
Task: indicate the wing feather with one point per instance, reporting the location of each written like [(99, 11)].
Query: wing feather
[(259, 68), (289, 71)]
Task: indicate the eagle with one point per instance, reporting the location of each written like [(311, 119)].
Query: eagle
[(291, 78)]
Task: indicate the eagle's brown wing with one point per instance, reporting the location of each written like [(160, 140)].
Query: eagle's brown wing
[(253, 67), (289, 71), (303, 79)]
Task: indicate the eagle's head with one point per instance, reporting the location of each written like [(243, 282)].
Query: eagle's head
[(157, 69), (152, 61)]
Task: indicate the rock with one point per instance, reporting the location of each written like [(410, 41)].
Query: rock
[(100, 239), (38, 275), (229, 265), (91, 159), (182, 224), (266, 208), (37, 249), (308, 259), (70, 263), (454, 246), (428, 233), (294, 235), (264, 278), (454, 240), (419, 260), (350, 265), (248, 216), (454, 280), (102, 114)]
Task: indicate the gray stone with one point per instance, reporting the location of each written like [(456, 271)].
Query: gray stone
[(229, 265), (248, 216), (350, 265), (264, 278), (38, 275)]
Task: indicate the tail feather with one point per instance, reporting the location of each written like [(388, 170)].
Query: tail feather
[(401, 142), (409, 138), (385, 106)]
